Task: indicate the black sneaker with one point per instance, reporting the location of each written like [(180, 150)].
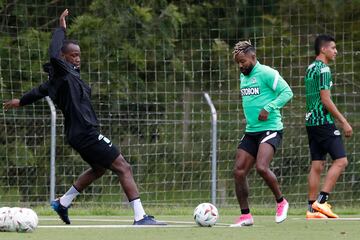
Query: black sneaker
[(60, 210), (148, 220)]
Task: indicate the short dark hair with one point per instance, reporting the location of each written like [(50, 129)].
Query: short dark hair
[(320, 40), (66, 43)]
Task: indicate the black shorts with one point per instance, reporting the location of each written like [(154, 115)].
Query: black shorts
[(250, 142), (101, 153), (325, 139)]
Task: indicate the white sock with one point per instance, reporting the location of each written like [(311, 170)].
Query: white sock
[(69, 196), (139, 211)]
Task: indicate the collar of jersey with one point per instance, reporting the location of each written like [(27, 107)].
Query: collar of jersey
[(254, 68), (316, 60)]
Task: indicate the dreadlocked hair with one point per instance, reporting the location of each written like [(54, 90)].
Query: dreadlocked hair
[(243, 47)]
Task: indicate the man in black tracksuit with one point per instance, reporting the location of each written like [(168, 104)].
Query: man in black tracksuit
[(72, 96)]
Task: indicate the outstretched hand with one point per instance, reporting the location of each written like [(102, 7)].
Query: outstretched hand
[(14, 103), (62, 18)]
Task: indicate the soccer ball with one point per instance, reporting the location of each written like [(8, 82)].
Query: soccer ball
[(26, 219), (6, 221), (206, 215), (18, 219)]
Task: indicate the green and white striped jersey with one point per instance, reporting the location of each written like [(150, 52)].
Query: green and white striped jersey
[(318, 77)]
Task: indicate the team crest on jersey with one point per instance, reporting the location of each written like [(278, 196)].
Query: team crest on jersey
[(250, 91), (253, 80)]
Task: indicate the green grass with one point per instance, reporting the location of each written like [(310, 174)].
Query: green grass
[(294, 227), (181, 226), (105, 210)]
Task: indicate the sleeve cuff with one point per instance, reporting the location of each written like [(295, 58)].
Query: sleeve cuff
[(21, 103), (269, 108)]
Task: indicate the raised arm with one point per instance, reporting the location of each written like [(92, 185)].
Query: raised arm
[(56, 59), (58, 37), (62, 18)]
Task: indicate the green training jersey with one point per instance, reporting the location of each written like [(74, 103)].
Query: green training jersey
[(263, 88), (318, 77)]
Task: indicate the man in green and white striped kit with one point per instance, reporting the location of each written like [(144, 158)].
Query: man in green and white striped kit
[(264, 92), (323, 135)]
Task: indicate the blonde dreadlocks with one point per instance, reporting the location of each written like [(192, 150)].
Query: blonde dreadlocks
[(242, 47)]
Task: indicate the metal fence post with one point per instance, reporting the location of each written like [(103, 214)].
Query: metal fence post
[(213, 147), (52, 148)]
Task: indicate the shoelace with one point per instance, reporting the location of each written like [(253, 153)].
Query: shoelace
[(243, 218), (279, 206)]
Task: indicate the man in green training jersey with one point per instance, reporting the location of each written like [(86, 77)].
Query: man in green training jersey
[(323, 135), (263, 92)]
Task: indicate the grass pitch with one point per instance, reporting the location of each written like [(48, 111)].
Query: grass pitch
[(183, 227)]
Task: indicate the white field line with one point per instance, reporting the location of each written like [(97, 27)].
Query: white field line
[(328, 219), (174, 223), (114, 226), (109, 220)]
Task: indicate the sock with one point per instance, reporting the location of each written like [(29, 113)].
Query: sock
[(310, 202), (323, 197), (69, 196), (139, 211), (245, 211), (280, 199)]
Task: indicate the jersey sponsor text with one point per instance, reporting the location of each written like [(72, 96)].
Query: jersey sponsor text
[(250, 91)]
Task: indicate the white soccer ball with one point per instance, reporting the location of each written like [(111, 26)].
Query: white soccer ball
[(206, 215), (26, 219), (18, 219), (6, 221)]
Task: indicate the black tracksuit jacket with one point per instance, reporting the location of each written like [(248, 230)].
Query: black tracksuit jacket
[(70, 94)]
